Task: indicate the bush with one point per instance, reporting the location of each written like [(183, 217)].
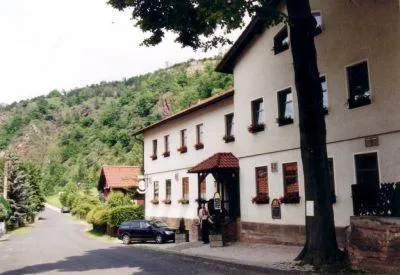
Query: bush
[(101, 217), (91, 213), (116, 199), (121, 214), (82, 209)]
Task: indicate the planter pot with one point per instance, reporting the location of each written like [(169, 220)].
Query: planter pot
[(181, 237), (217, 241)]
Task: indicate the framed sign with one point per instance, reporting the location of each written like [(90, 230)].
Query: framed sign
[(276, 209), (217, 201)]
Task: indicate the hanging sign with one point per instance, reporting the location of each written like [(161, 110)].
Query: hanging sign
[(142, 185), (217, 201), (276, 209)]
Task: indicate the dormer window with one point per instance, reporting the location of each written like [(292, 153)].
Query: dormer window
[(281, 41)]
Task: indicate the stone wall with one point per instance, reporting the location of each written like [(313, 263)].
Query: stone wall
[(191, 224), (279, 234), (374, 244)]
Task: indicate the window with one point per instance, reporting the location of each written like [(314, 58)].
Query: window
[(144, 224), (166, 144), (135, 224), (203, 190), (199, 137), (257, 109), (318, 17), (154, 155), (262, 180), (332, 178), (358, 85), (229, 134), (183, 138), (324, 86), (156, 191), (281, 41), (290, 181), (185, 188), (168, 190), (183, 148), (367, 172), (285, 107)]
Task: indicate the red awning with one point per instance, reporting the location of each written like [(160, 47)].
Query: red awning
[(216, 162)]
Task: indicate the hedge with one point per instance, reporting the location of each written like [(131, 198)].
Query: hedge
[(101, 217), (91, 213), (82, 209), (5, 209), (116, 198), (121, 214)]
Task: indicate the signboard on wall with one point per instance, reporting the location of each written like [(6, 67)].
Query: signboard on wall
[(276, 209), (217, 201)]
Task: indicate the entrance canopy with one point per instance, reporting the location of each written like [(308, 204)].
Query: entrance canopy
[(217, 162)]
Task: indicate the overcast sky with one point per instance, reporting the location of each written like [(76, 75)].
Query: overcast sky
[(63, 44)]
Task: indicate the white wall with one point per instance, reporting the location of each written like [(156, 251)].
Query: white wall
[(213, 119)]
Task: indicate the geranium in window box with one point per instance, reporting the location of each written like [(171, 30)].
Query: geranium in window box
[(260, 199), (166, 201), (254, 128), (153, 156), (290, 198), (183, 201), (166, 154), (182, 149), (154, 201), (228, 139), (284, 120), (358, 101), (199, 146)]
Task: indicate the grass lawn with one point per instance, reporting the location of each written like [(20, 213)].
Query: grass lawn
[(20, 231), (54, 200), (100, 236)]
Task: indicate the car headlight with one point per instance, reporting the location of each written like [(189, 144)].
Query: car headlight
[(169, 232)]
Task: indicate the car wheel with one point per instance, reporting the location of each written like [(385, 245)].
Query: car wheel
[(126, 239), (159, 239)]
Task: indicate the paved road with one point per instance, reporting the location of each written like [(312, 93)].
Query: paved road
[(57, 244)]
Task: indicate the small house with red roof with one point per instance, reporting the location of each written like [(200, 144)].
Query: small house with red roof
[(119, 178)]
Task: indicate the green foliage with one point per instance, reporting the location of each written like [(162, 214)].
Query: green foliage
[(121, 214), (5, 209), (74, 133), (116, 198), (101, 217), (82, 209)]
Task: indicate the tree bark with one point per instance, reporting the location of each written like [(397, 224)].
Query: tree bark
[(321, 246)]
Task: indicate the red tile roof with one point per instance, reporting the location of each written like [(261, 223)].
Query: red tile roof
[(119, 176), (217, 161), (202, 104)]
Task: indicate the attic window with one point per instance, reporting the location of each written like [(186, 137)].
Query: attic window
[(281, 41)]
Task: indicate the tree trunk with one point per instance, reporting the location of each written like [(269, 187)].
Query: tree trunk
[(321, 246)]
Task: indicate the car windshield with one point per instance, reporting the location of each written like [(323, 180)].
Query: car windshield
[(158, 224)]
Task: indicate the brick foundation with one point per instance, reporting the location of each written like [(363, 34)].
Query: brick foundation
[(374, 244), (279, 234)]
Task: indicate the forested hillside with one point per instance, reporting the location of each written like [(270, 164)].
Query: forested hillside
[(70, 135)]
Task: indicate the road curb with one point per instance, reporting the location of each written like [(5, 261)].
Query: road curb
[(224, 261)]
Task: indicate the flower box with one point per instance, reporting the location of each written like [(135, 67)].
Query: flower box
[(183, 201), (199, 146), (166, 201), (261, 199), (254, 128), (182, 149), (155, 202), (290, 198), (284, 121), (153, 157), (358, 101), (166, 154), (228, 139)]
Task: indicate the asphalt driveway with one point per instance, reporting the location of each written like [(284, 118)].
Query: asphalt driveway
[(58, 244)]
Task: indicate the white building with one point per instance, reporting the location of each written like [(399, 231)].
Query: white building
[(358, 56)]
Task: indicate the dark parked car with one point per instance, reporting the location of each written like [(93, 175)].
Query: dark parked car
[(143, 230), (65, 209)]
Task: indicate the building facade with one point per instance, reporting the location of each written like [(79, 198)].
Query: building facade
[(358, 46)]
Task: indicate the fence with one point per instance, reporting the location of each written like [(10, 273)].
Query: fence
[(383, 200)]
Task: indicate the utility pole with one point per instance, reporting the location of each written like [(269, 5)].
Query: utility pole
[(5, 181)]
